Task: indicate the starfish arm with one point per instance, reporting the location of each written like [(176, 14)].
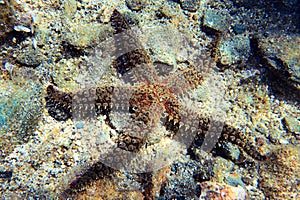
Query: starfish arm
[(129, 141), (92, 101), (188, 126), (103, 100), (132, 62), (235, 136), (172, 114), (58, 103), (81, 105), (92, 173), (199, 131), (192, 76), (118, 22), (215, 133)]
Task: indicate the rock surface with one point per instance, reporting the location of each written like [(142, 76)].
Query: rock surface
[(190, 5), (234, 50), (211, 190), (283, 57), (216, 20)]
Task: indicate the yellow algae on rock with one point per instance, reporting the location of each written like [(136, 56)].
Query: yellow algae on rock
[(279, 176), (70, 7), (86, 34)]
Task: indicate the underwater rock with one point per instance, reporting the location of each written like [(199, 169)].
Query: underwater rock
[(292, 124), (80, 125), (216, 20), (189, 5), (136, 5), (235, 180), (290, 5), (20, 109), (83, 35), (15, 22), (228, 151), (248, 3), (234, 50), (181, 184), (6, 174), (221, 169), (279, 176), (239, 28), (29, 56), (283, 57), (6, 16), (213, 190)]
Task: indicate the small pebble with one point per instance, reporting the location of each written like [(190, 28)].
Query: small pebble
[(292, 124), (216, 20), (21, 28), (80, 125), (135, 5), (189, 5), (239, 29), (235, 180)]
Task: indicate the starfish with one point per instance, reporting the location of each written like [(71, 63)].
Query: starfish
[(149, 99)]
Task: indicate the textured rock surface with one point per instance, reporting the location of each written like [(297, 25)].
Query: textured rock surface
[(181, 182), (190, 5), (216, 20), (234, 50), (283, 56), (279, 177), (292, 124), (212, 190), (136, 4), (6, 17), (21, 107)]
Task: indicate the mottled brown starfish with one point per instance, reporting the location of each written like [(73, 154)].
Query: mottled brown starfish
[(151, 100), (147, 100)]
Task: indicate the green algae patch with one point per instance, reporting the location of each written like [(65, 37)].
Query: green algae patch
[(20, 111)]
